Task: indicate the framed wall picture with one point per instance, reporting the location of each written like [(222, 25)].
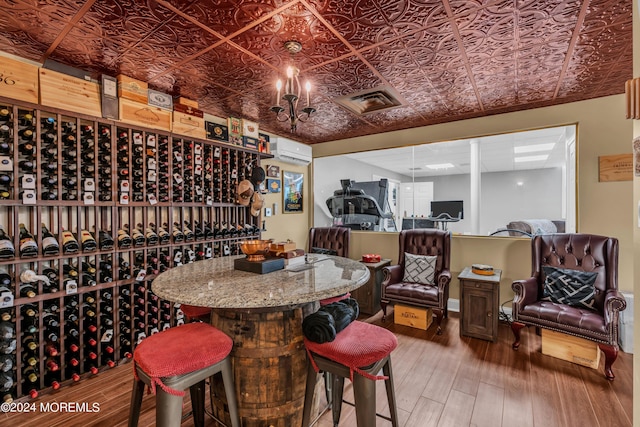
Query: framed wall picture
[(292, 185), (273, 185)]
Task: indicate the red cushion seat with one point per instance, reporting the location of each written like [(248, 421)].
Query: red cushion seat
[(180, 350), (195, 312), (358, 346)]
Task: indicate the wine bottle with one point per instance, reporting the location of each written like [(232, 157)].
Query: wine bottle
[(6, 364), (189, 236), (6, 383), (27, 290), (48, 123), (27, 165), (178, 236), (124, 240), (151, 236), (50, 245), (5, 179), (5, 114), (7, 330), (89, 243), (69, 242), (28, 245), (163, 234), (6, 245), (138, 237), (25, 119), (105, 240)]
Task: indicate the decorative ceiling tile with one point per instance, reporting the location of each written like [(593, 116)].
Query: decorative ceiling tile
[(448, 59)]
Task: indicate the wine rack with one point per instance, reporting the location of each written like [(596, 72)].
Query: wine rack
[(91, 210)]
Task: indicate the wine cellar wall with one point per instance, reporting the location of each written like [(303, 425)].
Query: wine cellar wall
[(90, 212)]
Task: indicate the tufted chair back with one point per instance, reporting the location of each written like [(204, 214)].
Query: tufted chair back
[(426, 241), (584, 252), (336, 238)]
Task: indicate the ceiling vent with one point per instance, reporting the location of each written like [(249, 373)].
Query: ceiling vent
[(371, 100)]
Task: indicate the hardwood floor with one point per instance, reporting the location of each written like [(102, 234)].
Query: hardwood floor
[(441, 380)]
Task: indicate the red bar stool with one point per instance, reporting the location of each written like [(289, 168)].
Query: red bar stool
[(176, 359), (193, 312), (357, 353)]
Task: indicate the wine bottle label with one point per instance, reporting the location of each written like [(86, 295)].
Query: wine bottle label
[(6, 245), (69, 242), (49, 242), (28, 243)]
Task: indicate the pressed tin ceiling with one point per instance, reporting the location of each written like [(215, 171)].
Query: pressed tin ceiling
[(447, 59)]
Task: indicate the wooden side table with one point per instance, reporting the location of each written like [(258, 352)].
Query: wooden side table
[(368, 295), (479, 302)]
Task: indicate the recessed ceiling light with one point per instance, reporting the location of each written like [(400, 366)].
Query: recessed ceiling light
[(539, 158), (440, 166), (534, 148)]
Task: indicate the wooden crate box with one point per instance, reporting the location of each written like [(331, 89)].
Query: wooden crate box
[(572, 349), (69, 93), (137, 113), (416, 317), (18, 80), (186, 124), (130, 88)]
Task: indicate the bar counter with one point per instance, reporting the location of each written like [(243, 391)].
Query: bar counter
[(263, 315)]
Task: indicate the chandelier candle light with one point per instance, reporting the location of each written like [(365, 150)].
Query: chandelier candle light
[(292, 92)]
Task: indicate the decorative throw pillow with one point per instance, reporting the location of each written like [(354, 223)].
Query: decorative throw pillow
[(419, 268), (324, 251), (570, 287)]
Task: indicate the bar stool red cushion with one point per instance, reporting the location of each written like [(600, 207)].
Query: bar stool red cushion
[(180, 350), (335, 299), (359, 345), (195, 312)]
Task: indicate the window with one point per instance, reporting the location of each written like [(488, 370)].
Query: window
[(511, 184)]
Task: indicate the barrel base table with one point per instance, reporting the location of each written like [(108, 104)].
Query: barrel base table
[(269, 361)]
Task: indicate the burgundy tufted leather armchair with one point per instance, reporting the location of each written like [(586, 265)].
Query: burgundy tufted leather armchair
[(584, 252), (336, 238), (424, 241)]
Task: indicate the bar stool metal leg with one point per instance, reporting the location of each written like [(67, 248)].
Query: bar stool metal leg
[(364, 394), (197, 403), (312, 378), (391, 396), (337, 389), (136, 402), (168, 409), (230, 391)]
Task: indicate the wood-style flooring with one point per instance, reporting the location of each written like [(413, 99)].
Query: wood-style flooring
[(441, 380)]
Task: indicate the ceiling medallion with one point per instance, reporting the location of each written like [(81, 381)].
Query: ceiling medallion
[(292, 92)]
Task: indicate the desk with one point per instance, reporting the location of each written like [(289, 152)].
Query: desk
[(263, 315), (479, 301)]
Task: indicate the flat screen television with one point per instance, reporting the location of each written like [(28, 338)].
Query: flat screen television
[(452, 208)]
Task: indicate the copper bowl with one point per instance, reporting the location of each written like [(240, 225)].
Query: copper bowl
[(255, 249)]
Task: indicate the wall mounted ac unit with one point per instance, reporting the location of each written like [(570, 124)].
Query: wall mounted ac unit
[(289, 151)]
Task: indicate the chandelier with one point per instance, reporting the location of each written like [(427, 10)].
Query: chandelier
[(292, 93)]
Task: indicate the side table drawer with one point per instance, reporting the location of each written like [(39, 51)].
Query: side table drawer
[(470, 284)]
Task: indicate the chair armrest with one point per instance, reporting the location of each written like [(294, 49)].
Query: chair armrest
[(614, 302), (391, 274), (526, 292), (444, 278)]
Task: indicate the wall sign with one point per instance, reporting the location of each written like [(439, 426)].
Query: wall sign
[(616, 168)]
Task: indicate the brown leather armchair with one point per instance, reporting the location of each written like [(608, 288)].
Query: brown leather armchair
[(582, 252), (331, 238), (430, 242)]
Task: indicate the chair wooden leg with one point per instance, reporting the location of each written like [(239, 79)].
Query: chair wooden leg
[(136, 402), (610, 356), (439, 314), (515, 327), (383, 306)]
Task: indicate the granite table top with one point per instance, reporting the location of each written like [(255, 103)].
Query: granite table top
[(215, 283)]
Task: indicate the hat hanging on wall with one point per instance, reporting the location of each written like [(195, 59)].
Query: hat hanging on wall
[(257, 176), (257, 201), (244, 192)]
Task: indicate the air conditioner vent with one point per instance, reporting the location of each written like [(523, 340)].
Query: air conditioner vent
[(371, 100)]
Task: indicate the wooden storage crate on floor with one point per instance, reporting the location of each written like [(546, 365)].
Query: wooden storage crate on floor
[(69, 93), (572, 349), (18, 80), (416, 317), (137, 113)]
